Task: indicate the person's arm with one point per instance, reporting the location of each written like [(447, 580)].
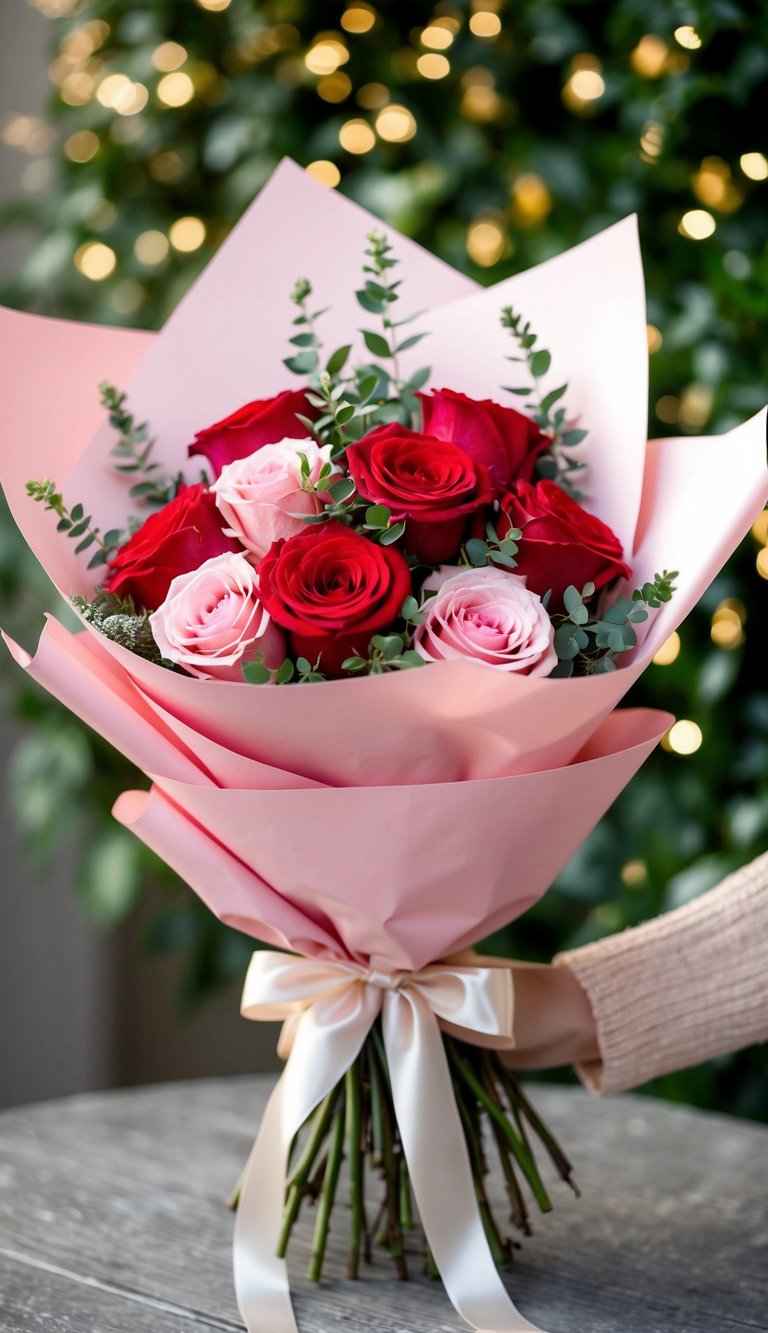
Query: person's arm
[(680, 989)]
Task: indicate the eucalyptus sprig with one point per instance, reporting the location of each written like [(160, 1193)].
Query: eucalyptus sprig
[(256, 672), (377, 295), (594, 642), (386, 652), (133, 450), (343, 402), (494, 550), (76, 524), (556, 464)]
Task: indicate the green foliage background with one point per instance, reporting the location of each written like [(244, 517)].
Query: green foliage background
[(501, 140)]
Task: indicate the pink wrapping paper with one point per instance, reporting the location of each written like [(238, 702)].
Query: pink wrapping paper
[(224, 345), (399, 875)]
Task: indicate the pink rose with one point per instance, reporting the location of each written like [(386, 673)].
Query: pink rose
[(212, 621), (259, 496), (486, 615)]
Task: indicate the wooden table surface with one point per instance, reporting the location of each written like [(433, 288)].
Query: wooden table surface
[(113, 1220)]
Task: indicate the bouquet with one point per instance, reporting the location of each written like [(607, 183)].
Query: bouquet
[(342, 534)]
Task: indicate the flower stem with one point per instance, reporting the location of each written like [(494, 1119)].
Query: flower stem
[(327, 1195), (355, 1149), (297, 1184)]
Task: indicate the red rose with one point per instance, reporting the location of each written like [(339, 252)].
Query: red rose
[(432, 484), (266, 421), (175, 540), (505, 441), (561, 542), (331, 589)]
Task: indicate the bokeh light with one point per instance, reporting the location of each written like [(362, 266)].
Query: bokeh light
[(669, 650), (187, 234), (151, 247), (356, 136), (325, 171), (697, 224), (95, 260), (684, 737), (754, 165), (396, 124), (358, 18)]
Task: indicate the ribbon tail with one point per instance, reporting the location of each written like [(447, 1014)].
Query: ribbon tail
[(439, 1168), (328, 1038)]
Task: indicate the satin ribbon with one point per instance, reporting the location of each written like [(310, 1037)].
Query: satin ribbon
[(332, 1007)]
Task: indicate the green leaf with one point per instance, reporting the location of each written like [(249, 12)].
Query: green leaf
[(342, 490), (576, 609), (376, 345), (369, 303), (377, 516), (410, 342), (549, 399), (305, 340), (392, 535), (344, 413), (76, 513), (566, 644), (354, 664), (476, 550), (418, 380), (410, 608), (337, 359), (501, 558), (410, 658), (303, 363), (284, 672), (303, 666), (389, 645), (521, 393), (256, 673), (367, 388), (572, 437), (540, 363)]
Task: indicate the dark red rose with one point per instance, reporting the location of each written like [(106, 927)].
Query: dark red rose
[(178, 538), (432, 484), (332, 589), (561, 542), (266, 421), (505, 441)]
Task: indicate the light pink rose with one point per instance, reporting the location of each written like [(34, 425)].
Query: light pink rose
[(212, 620), (259, 495), (486, 615)]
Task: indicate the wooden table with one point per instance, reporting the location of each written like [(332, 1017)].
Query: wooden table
[(113, 1220)]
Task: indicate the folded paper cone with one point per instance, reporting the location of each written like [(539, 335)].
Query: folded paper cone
[(403, 874)]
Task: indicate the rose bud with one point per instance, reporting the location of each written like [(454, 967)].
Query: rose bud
[(213, 620), (486, 615)]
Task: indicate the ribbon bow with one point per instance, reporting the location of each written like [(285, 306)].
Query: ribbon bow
[(332, 1007)]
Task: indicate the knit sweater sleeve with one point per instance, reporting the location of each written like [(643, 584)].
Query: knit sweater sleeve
[(680, 989)]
